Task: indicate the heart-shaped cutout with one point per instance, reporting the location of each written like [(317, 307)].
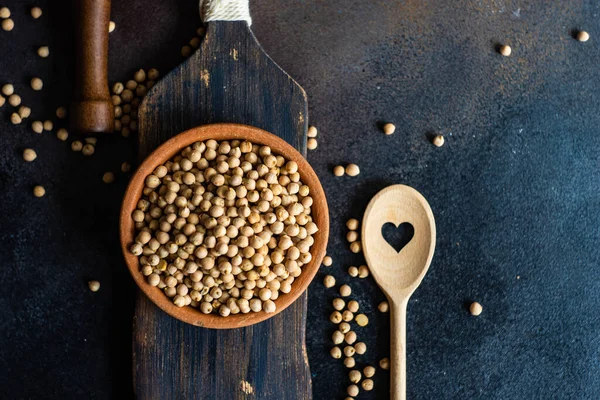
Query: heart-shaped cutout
[(397, 236)]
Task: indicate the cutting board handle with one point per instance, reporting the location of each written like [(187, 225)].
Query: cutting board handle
[(92, 110)]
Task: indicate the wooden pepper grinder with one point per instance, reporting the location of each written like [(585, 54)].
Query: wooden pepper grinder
[(92, 110)]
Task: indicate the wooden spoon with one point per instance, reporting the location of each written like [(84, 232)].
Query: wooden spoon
[(398, 273)]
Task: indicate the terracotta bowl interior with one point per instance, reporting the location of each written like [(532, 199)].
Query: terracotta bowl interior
[(221, 132)]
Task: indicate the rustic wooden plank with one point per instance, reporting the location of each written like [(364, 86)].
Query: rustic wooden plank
[(230, 79)]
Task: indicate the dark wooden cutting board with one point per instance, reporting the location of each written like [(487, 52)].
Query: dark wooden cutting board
[(229, 79)]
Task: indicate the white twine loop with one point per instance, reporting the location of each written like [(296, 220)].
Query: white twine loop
[(225, 10)]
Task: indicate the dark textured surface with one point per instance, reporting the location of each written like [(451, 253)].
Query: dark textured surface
[(229, 79), (515, 191)]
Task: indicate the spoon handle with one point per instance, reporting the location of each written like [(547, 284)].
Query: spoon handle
[(398, 350)]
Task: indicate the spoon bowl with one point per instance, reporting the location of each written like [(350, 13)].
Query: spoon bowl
[(398, 272)]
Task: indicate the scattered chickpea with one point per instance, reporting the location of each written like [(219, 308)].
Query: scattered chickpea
[(94, 286), (37, 84), (111, 26), (327, 261), (37, 126), (329, 281), (369, 371), (353, 271), (29, 155), (15, 118), (353, 306), (39, 191), (76, 145), (336, 352), (353, 390), (118, 88), (363, 271), (195, 42), (2, 101), (352, 236), (88, 150), (338, 170), (438, 141), (383, 307), (8, 89), (61, 112), (347, 316), (350, 337), (389, 128), (61, 134), (335, 317), (354, 376), (349, 362), (186, 51), (360, 348), (126, 96), (352, 224), (349, 351), (48, 125), (362, 320), (505, 50), (475, 308), (108, 177), (367, 384), (344, 327), (8, 24), (125, 167), (139, 76), (153, 74), (312, 132), (337, 337), (14, 100), (384, 363), (36, 12), (312, 144), (4, 12), (352, 170), (43, 51), (583, 36), (24, 112), (339, 304), (355, 247), (345, 291)]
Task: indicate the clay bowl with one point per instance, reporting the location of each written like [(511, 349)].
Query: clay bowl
[(221, 132)]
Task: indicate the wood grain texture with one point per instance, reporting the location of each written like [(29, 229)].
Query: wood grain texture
[(398, 273), (91, 110), (229, 79)]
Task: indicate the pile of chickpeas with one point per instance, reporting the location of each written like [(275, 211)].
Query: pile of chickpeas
[(224, 227), (126, 99)]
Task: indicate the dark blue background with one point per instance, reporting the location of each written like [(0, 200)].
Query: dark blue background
[(515, 191)]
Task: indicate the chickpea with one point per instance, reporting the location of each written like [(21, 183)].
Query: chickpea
[(389, 128), (475, 309), (505, 50), (438, 141), (329, 281)]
